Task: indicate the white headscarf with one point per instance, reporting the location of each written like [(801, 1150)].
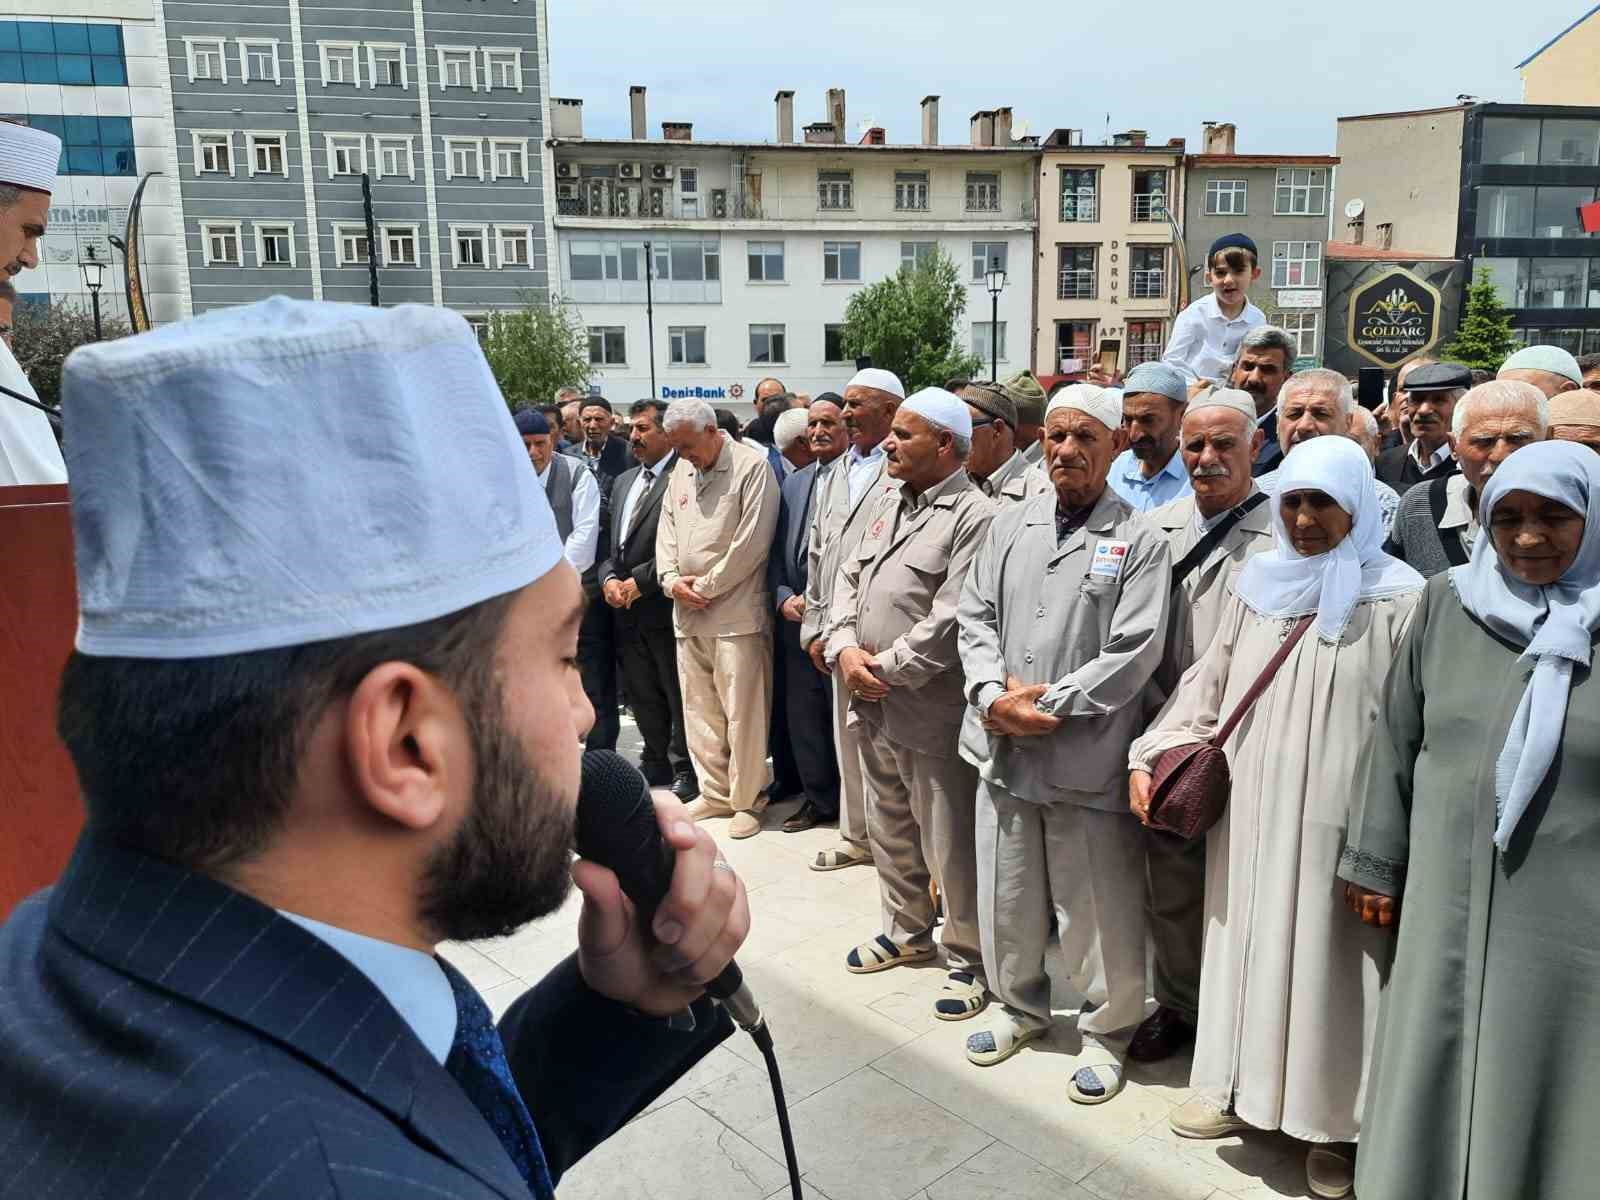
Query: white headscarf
[(1285, 583), (1555, 623)]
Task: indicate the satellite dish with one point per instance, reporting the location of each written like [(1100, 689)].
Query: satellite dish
[(1355, 208), (1021, 129)]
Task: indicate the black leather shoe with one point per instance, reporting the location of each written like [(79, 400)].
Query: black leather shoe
[(804, 818), (1161, 1035), (659, 776), (685, 787)]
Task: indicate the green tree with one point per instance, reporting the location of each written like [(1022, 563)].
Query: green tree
[(909, 323), (43, 336), (1484, 338), (536, 350)]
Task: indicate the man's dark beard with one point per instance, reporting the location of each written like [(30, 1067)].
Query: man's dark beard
[(508, 864)]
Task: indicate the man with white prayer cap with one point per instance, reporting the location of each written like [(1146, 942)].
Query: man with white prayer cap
[(1549, 368), (28, 161), (325, 716), (1063, 621), (870, 400), (893, 646)]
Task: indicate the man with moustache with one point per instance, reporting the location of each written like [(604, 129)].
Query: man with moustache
[(1265, 361), (234, 989), (1150, 472), (1431, 395), (870, 400), (806, 693)]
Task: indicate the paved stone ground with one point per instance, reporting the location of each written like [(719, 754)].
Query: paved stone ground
[(883, 1103)]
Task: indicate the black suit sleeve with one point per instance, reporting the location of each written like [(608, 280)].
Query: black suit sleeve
[(777, 585), (586, 1065)]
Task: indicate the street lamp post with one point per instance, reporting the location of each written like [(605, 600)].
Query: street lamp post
[(996, 280), (94, 276)]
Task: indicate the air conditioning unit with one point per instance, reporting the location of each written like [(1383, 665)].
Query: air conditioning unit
[(660, 170), (628, 170), (565, 170), (719, 202)]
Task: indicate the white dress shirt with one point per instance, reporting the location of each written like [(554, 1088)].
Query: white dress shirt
[(642, 483), (1427, 463), (584, 539), (28, 451), (863, 469), (1204, 343)]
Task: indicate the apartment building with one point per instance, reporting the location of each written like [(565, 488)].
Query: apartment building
[(1110, 263), (701, 266)]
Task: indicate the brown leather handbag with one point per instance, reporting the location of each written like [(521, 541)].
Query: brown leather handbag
[(1190, 785)]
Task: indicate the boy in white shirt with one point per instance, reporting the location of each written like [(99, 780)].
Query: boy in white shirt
[(1206, 336)]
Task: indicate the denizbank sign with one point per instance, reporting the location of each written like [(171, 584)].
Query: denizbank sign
[(694, 393)]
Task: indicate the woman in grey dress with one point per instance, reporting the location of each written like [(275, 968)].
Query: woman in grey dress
[(1477, 831)]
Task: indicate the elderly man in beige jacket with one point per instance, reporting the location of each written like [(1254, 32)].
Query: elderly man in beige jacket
[(712, 542)]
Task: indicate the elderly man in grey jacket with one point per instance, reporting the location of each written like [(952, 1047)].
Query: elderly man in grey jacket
[(1062, 623)]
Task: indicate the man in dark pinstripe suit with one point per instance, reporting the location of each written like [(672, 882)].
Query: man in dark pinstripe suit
[(325, 713)]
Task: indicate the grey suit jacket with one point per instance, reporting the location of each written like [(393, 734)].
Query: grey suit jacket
[(836, 529), (791, 544)]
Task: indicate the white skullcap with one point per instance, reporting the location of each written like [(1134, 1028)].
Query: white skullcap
[(879, 380), (1103, 404), (789, 428), (290, 472), (1553, 359), (29, 157), (945, 409), (1239, 401)]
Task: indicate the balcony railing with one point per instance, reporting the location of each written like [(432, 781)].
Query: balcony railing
[(1143, 351), (637, 207), (1072, 284), (1079, 208), (1071, 358), (1151, 206), (1147, 285)]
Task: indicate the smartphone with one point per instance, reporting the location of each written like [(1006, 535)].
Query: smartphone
[(1369, 387), (1110, 352)]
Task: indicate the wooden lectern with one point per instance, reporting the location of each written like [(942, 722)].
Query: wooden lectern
[(40, 813)]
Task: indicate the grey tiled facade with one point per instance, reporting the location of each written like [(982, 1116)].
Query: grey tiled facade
[(279, 106)]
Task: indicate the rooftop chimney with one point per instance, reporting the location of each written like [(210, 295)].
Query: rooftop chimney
[(820, 132), (874, 136), (1133, 137), (1002, 127), (785, 102), (677, 131), (836, 113), (566, 118), (636, 109), (1219, 138), (930, 120), (982, 127)]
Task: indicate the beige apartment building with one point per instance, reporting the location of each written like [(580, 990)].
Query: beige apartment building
[(1566, 69), (1110, 261), (1416, 209)]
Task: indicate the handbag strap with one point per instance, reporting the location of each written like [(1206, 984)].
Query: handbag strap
[(1215, 534), (1247, 701)]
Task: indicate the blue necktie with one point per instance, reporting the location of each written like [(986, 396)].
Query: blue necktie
[(478, 1063)]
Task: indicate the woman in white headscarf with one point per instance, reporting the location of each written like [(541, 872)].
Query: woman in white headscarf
[(1476, 829), (1289, 984)]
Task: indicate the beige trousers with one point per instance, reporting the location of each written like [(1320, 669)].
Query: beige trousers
[(727, 699), (852, 796), (919, 824)]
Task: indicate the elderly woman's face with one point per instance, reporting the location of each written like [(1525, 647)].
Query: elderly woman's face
[(1537, 538), (1315, 522)]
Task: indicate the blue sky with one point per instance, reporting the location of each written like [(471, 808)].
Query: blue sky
[(1280, 72)]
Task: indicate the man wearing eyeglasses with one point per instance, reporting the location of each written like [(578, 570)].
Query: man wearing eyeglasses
[(994, 463)]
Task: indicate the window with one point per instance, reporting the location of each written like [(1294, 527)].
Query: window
[(347, 153), (911, 190), (688, 345), (841, 262), (463, 158), (503, 69), (767, 344), (399, 245), (508, 158), (1302, 326), (45, 52), (1509, 141), (1225, 197), (688, 191), (1570, 143), (208, 59), (386, 65), (833, 344), (1147, 272), (1555, 211), (1510, 279), (480, 325), (1301, 192), (834, 190), (1504, 212), (219, 243), (458, 67), (1149, 196), (266, 154), (1075, 272), (1146, 340), (983, 191), (92, 145), (1296, 264), (983, 339), (394, 157), (914, 254), (258, 60), (339, 63), (766, 262), (274, 245), (1078, 194), (1558, 283), (467, 246), (987, 256), (213, 153), (608, 346), (351, 245), (1074, 346), (514, 245)]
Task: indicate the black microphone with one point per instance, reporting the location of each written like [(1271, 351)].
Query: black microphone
[(617, 828)]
